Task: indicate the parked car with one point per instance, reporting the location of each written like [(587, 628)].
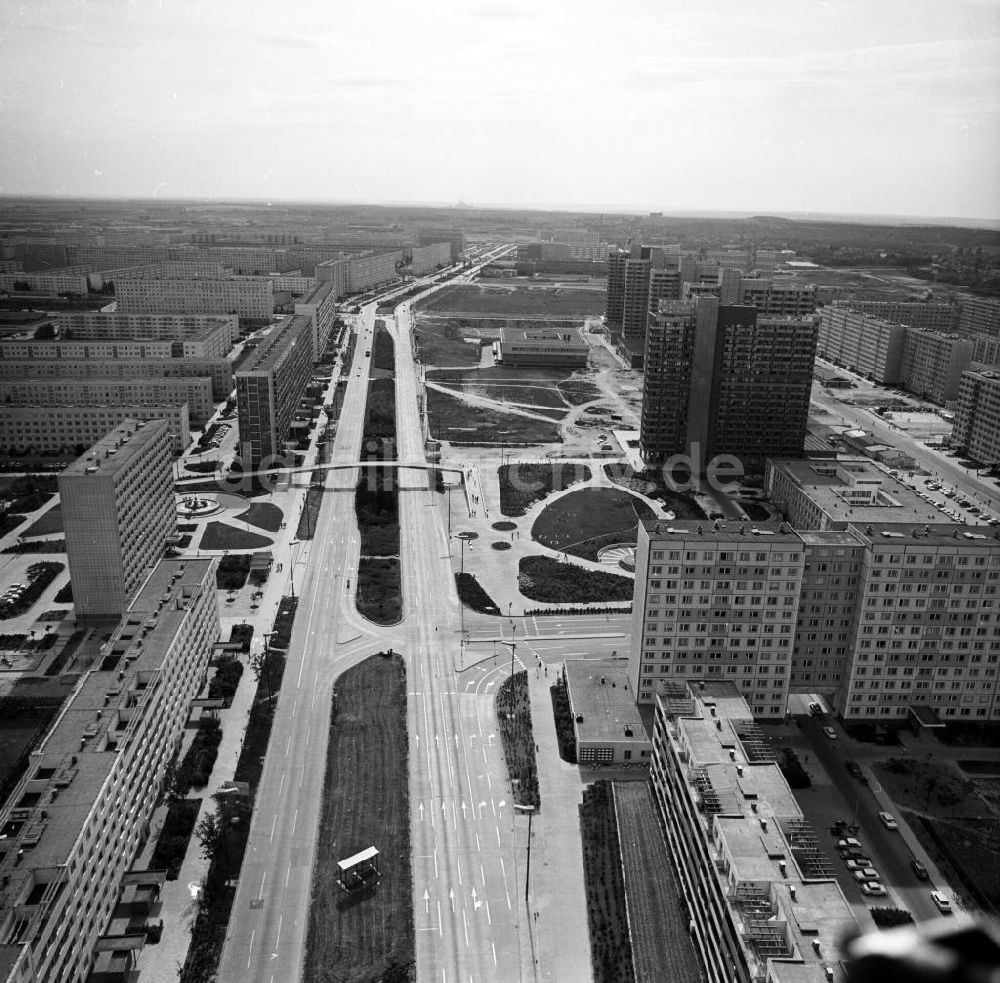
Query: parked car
[(941, 902), (830, 733), (867, 874), (873, 889), (849, 843), (888, 821), (859, 863), (816, 709), (920, 870), (854, 769)]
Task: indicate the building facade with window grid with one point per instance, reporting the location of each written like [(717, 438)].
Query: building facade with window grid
[(79, 817), (880, 618)]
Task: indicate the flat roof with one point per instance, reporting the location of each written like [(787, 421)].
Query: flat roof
[(369, 853), (721, 530), (608, 708), (761, 834), (277, 342), (94, 714), (927, 534), (317, 294), (117, 448), (826, 482)]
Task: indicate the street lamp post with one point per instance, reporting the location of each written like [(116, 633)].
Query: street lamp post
[(513, 649), (291, 574), (267, 664)]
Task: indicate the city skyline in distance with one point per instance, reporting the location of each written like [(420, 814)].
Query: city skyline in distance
[(849, 109)]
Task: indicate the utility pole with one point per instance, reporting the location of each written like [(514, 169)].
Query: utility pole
[(267, 665), (291, 574), (513, 649)]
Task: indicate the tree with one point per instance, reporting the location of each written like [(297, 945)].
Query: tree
[(211, 833), (45, 332), (22, 285)]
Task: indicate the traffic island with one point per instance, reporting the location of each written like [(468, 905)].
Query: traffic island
[(610, 945), (361, 925), (513, 705)]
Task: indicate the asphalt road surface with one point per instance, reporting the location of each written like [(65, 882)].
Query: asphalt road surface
[(468, 844)]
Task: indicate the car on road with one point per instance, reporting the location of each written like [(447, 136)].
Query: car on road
[(920, 870), (830, 733), (849, 843), (867, 874), (888, 821), (941, 902), (815, 709), (874, 889)]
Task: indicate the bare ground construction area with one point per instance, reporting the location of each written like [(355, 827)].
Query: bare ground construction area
[(503, 300)]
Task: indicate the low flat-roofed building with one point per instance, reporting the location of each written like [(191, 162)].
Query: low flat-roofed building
[(78, 818), (542, 345), (763, 901), (609, 730), (828, 494)]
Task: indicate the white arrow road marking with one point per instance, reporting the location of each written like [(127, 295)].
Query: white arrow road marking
[(421, 808), (427, 901), (451, 897)]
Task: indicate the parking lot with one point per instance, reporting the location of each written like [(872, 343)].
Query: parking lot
[(841, 803)]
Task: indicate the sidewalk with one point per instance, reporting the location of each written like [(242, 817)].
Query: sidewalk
[(556, 891), (159, 963)]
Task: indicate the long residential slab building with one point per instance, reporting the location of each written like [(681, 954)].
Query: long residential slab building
[(762, 900), (889, 620), (78, 818)]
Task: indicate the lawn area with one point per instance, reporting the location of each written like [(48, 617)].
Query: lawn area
[(953, 820), (25, 713), (930, 788), (661, 945), (512, 300), (578, 391), (441, 341), (524, 483), (473, 595), (47, 523), (652, 485), (454, 419), (380, 590), (220, 536), (10, 522), (367, 935), (513, 704), (610, 947), (310, 514), (584, 521), (541, 578), (263, 515), (383, 349)]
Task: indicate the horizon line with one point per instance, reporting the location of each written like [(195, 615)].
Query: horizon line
[(878, 218)]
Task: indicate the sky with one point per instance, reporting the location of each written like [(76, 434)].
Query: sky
[(888, 107)]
